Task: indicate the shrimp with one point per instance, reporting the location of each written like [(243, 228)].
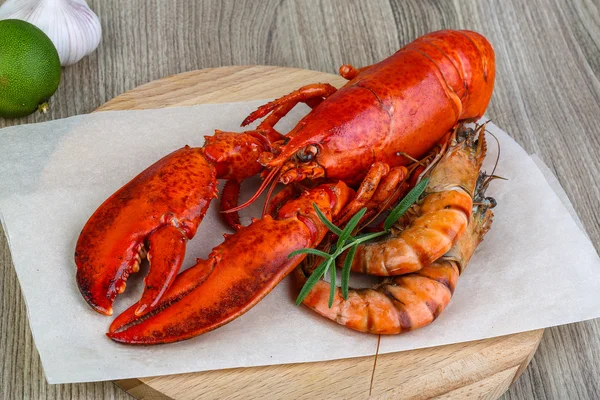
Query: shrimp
[(403, 303), (436, 222)]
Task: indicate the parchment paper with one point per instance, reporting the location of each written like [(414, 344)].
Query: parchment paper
[(536, 267)]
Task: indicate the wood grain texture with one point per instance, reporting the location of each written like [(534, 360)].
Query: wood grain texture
[(482, 369), (547, 97), (218, 85)]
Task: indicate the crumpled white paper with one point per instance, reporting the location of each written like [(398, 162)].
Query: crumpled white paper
[(536, 268)]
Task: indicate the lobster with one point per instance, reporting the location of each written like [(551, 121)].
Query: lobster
[(356, 147)]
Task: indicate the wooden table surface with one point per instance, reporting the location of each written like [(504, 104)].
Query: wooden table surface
[(547, 97)]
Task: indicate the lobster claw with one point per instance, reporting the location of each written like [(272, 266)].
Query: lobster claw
[(233, 278), (166, 251), (158, 211)]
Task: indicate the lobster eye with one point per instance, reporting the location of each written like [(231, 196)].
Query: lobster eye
[(308, 153)]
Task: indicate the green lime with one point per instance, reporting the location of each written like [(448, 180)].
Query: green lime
[(29, 69)]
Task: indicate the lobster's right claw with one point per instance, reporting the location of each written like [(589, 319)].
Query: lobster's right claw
[(159, 210), (237, 274)]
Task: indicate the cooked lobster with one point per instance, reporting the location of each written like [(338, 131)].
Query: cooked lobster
[(365, 135)]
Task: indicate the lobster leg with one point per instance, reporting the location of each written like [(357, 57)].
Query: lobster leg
[(229, 199), (312, 95), (390, 189), (365, 191), (286, 194), (349, 72), (267, 126), (287, 102), (239, 279), (374, 185), (377, 191)]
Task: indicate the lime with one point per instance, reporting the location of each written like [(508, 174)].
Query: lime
[(29, 69)]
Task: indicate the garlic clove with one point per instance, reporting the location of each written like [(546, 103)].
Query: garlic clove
[(71, 25)]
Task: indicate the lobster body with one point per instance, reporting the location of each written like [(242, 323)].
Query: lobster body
[(362, 135), (403, 105)]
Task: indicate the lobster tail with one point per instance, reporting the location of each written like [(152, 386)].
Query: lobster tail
[(466, 61), (481, 76)]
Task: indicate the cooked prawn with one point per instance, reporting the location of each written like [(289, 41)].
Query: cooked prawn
[(438, 219), (402, 303)]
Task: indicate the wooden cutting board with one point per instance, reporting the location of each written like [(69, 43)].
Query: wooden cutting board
[(480, 369)]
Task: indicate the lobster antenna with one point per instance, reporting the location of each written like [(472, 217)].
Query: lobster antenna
[(270, 192), (497, 117), (261, 189), (403, 154)]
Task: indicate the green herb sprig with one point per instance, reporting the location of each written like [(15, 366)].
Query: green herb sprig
[(347, 241)]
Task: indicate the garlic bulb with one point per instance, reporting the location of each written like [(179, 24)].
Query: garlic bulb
[(71, 25)]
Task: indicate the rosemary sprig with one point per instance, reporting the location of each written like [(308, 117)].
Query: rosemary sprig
[(347, 241), (405, 204)]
